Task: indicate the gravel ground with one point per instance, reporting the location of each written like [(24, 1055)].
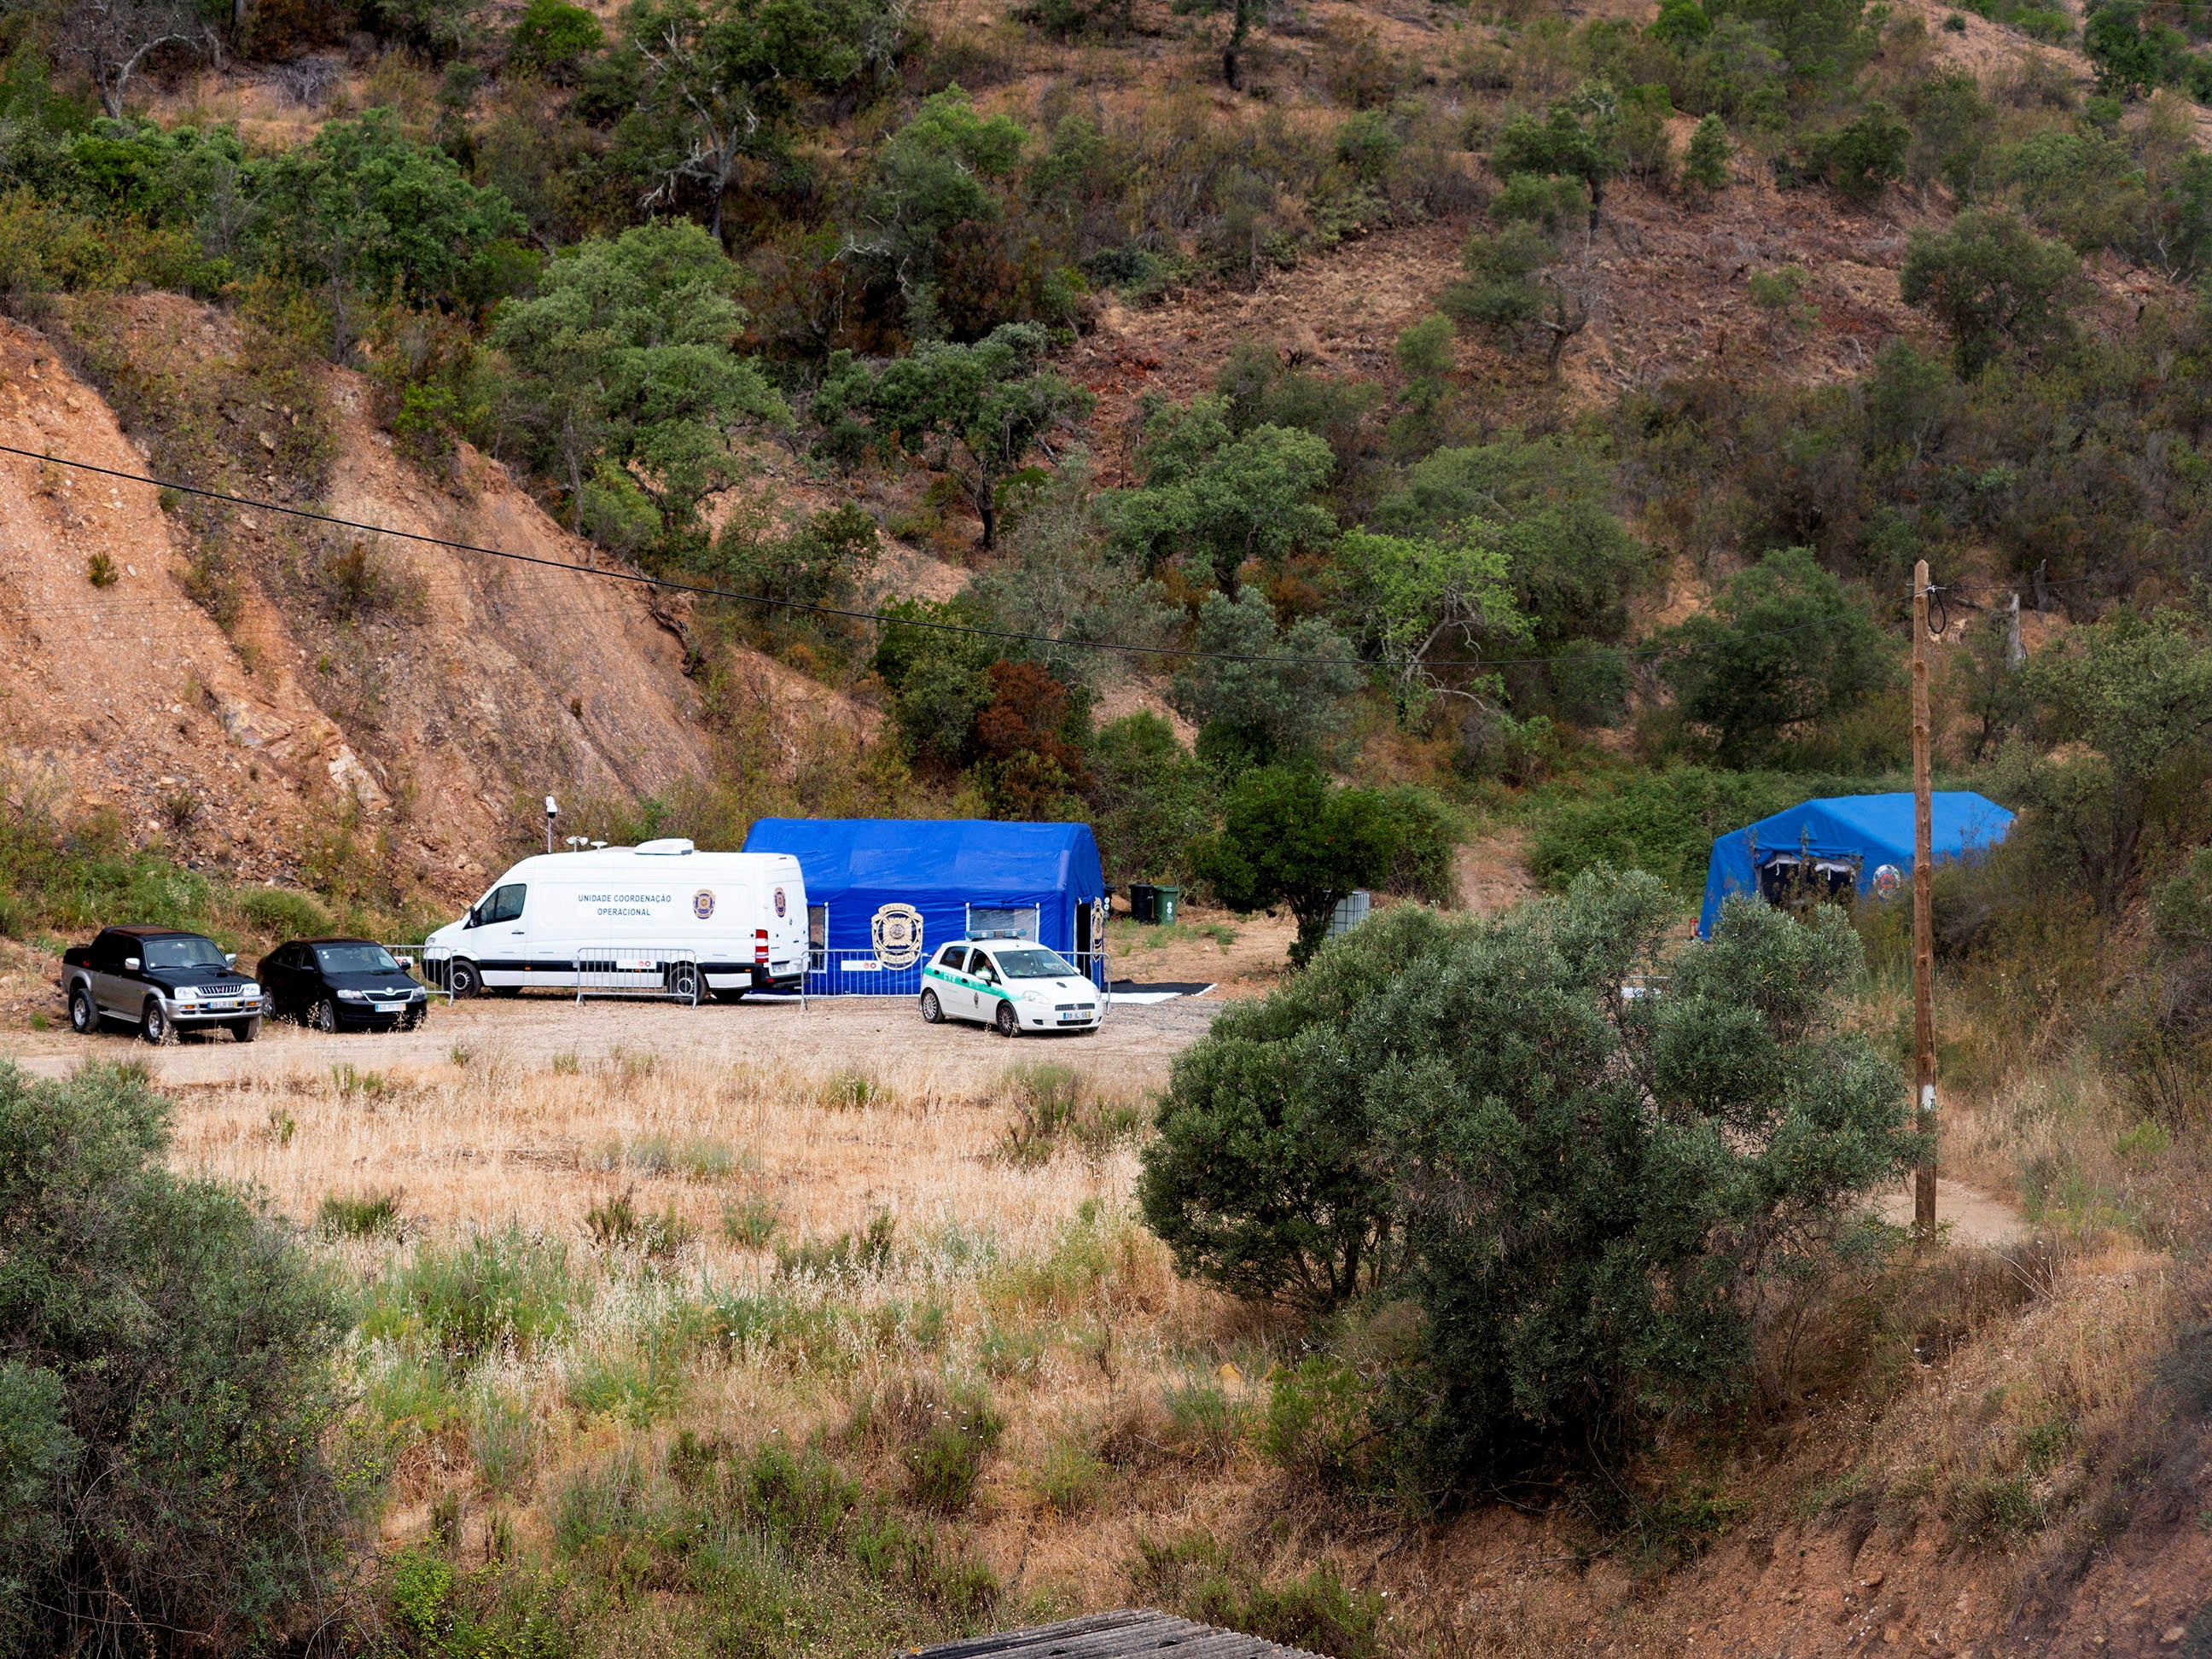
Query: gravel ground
[(883, 1035)]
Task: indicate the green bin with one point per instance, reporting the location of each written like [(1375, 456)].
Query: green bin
[(1163, 905)]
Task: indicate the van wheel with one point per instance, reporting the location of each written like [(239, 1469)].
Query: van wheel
[(932, 1012), (1007, 1024), (684, 981), (154, 1026), (84, 1018), (463, 979)]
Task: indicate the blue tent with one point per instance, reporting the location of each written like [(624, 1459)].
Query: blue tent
[(887, 892), (1861, 841)]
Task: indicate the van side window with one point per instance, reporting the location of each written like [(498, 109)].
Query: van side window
[(505, 903), (955, 957)]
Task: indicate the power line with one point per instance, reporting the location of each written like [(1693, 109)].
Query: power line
[(662, 583)]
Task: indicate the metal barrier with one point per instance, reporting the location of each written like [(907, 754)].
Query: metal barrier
[(633, 970), (864, 974), (411, 956)]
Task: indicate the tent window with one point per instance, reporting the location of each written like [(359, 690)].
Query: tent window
[(984, 922)]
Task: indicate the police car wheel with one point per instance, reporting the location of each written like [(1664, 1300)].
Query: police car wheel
[(1005, 1021), (932, 1012)]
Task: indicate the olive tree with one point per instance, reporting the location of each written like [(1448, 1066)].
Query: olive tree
[(630, 383), (1580, 1193), (165, 1382)]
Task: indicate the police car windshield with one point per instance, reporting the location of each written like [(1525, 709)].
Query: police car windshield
[(1032, 964), (355, 959), (183, 953)]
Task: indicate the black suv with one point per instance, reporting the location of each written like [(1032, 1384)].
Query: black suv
[(161, 980), (334, 983)]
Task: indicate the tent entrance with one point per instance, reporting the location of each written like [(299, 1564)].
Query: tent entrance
[(1790, 882), (985, 921)]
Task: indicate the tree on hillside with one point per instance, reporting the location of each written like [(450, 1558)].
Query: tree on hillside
[(629, 380), (1291, 840), (165, 1382), (2129, 59), (1519, 288), (1784, 646), (1993, 284), (1421, 598), (1149, 800), (933, 175), (554, 37), (1708, 163), (112, 39), (1259, 694), (2136, 692), (718, 81), (1579, 138), (1218, 497), (371, 216), (974, 412), (1583, 1193)]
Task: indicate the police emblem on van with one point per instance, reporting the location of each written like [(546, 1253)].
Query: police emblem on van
[(896, 931), (779, 901), (702, 903)]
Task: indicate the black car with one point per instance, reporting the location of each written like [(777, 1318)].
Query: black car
[(334, 984), (161, 980)]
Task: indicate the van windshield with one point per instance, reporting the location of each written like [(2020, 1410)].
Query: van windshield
[(1033, 964)]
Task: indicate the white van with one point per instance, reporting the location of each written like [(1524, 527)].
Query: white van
[(661, 913)]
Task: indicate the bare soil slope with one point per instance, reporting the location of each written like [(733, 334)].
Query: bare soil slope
[(426, 700)]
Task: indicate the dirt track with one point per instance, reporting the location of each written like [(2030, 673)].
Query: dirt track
[(883, 1035)]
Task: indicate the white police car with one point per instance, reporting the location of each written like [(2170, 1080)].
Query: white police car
[(1012, 985)]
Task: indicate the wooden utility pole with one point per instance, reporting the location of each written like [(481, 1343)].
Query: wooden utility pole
[(1923, 949)]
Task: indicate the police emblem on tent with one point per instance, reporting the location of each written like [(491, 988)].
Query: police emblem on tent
[(896, 931)]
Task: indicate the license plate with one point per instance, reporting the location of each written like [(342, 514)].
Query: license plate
[(390, 1007)]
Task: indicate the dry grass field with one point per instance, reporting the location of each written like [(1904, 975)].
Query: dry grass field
[(759, 1330)]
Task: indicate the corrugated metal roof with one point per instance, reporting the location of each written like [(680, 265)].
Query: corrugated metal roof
[(1127, 1630)]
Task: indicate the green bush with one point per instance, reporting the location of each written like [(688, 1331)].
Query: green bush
[(1315, 1611), (1785, 648), (1344, 1137), (1289, 838), (366, 1215), (467, 1298), (282, 914), (166, 1386)]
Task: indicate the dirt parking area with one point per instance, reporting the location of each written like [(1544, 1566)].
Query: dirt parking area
[(883, 1037)]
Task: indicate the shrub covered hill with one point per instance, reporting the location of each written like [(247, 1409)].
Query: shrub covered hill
[(1499, 438)]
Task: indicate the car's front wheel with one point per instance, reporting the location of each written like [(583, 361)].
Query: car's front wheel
[(463, 978), (84, 1016), (932, 1012), (154, 1025), (324, 1015), (1005, 1021), (244, 1031)]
